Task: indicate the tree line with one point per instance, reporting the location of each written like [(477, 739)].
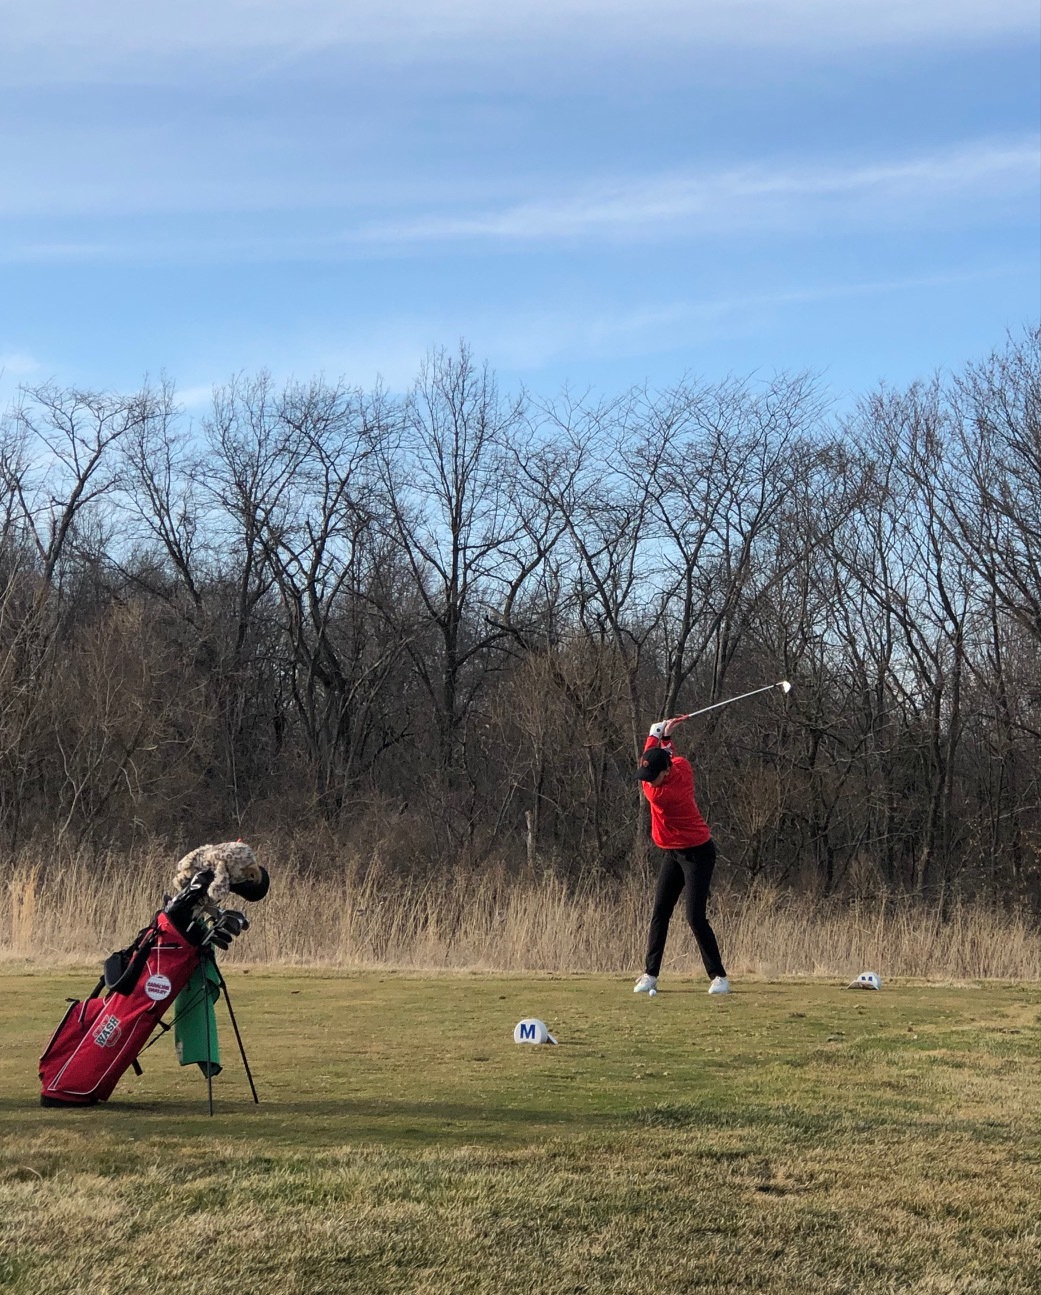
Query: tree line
[(434, 626)]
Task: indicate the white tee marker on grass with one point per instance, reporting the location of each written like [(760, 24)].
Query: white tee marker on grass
[(532, 1030)]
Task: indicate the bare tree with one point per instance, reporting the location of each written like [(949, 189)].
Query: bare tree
[(58, 465), (335, 573), (722, 466), (446, 474), (995, 499)]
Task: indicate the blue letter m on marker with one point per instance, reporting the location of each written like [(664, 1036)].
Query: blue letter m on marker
[(527, 1031)]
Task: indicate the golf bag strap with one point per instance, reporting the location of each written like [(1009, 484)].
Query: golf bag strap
[(128, 978), (163, 1027)]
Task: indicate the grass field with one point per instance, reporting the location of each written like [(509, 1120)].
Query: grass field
[(793, 1137)]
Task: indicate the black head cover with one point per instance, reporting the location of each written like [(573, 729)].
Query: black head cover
[(252, 890)]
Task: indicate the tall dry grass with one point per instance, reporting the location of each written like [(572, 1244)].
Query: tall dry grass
[(75, 910)]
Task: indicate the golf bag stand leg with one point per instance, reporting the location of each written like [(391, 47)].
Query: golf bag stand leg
[(206, 1017), (235, 1026)]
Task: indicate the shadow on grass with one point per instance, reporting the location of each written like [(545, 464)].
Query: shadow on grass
[(303, 1121)]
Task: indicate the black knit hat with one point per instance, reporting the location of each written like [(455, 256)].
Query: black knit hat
[(655, 760)]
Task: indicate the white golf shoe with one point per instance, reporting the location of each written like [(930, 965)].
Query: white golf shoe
[(646, 985), (719, 986)]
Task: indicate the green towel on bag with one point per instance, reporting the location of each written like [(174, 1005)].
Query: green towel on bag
[(192, 1007)]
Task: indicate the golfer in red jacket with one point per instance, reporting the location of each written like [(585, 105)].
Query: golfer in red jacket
[(690, 856)]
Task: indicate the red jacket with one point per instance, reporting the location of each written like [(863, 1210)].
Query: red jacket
[(676, 822)]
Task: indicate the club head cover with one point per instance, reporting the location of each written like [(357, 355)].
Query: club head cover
[(252, 890)]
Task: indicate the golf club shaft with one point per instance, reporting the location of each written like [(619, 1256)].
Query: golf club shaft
[(729, 701)]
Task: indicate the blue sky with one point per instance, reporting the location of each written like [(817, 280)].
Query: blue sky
[(589, 192)]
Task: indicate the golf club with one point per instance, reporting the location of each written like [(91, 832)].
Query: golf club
[(783, 684)]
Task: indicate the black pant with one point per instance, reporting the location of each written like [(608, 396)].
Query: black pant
[(690, 869)]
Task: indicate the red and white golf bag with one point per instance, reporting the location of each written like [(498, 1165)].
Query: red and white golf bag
[(101, 1036)]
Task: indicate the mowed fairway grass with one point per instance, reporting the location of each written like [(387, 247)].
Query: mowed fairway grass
[(792, 1137)]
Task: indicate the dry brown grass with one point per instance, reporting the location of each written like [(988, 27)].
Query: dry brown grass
[(68, 911)]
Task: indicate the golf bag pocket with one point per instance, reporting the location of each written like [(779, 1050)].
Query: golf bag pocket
[(100, 1037)]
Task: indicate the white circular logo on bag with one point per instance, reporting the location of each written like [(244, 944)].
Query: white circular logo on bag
[(157, 988)]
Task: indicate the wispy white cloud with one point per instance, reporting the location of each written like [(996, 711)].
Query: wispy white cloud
[(761, 197), (959, 187), (67, 39), (602, 334), (19, 365), (526, 341), (17, 368), (198, 398)]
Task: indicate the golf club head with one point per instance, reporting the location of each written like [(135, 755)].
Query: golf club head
[(234, 922)]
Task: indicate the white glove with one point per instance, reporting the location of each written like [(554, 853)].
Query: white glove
[(659, 730)]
